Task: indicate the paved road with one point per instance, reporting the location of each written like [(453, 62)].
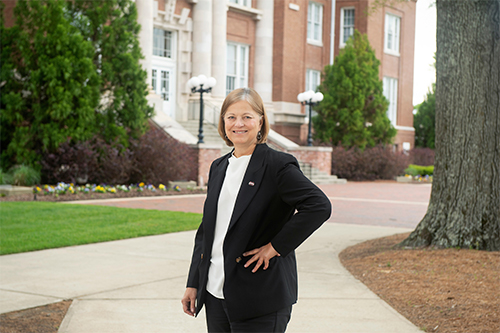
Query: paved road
[(387, 204)]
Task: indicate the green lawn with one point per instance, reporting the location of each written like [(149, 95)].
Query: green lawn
[(30, 226)]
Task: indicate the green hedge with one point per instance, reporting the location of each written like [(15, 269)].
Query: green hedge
[(415, 170)]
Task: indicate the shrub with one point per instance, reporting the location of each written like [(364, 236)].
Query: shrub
[(24, 175), (424, 121), (415, 170), (5, 177), (114, 163), (154, 158), (422, 156), (70, 163), (379, 162), (159, 158)]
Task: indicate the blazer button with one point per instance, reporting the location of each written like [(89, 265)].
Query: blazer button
[(238, 260), (202, 256)]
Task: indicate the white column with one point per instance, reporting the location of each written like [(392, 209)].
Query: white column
[(332, 33), (219, 35), (202, 38), (263, 75), (145, 19)]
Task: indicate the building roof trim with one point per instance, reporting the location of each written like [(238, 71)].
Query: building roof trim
[(255, 13)]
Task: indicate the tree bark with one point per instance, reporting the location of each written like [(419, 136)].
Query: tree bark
[(464, 209)]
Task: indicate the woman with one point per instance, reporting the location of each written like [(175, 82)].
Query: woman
[(259, 209)]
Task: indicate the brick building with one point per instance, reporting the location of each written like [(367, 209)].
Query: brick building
[(278, 47)]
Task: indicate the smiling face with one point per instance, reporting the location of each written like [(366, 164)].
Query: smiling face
[(242, 124)]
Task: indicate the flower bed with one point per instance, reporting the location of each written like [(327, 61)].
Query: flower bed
[(70, 192), (414, 179), (63, 188)]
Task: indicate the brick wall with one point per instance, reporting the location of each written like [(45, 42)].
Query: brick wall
[(291, 132), (241, 29), (179, 5), (319, 157), (206, 155), (404, 136), (293, 55)]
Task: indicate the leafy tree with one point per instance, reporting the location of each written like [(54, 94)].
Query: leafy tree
[(424, 121), (353, 111), (50, 88), (72, 71), (112, 28), (464, 208)]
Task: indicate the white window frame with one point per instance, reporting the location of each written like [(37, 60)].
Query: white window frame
[(244, 3), (391, 93), (315, 24), (313, 79), (392, 34), (342, 42), (240, 78), (161, 50)]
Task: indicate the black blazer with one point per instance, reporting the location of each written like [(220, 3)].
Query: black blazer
[(276, 203)]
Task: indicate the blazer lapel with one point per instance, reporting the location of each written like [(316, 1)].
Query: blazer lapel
[(251, 182), (210, 213)]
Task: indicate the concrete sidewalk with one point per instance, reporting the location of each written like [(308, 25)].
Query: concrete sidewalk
[(136, 285)]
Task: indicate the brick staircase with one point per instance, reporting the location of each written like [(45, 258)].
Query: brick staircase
[(319, 177)]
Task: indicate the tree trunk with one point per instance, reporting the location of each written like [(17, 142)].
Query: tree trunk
[(464, 209)]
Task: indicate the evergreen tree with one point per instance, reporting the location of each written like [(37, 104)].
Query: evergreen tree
[(71, 70), (50, 88), (424, 121), (353, 111), (111, 26)]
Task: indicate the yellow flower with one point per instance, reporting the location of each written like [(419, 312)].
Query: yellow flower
[(161, 187), (141, 184)]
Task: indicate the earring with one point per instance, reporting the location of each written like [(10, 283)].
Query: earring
[(259, 136)]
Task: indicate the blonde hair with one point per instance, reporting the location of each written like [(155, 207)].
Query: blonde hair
[(255, 101)]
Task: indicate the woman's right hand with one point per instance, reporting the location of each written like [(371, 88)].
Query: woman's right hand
[(189, 301)]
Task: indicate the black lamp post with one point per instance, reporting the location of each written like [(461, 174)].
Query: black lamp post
[(310, 98), (197, 84)]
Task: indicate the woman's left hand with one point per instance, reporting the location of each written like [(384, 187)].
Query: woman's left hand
[(262, 255)]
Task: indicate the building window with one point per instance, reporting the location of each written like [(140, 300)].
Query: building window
[(165, 85), (392, 28), (391, 93), (154, 77), (246, 3), (314, 23), (237, 66), (162, 43), (313, 78), (346, 25)]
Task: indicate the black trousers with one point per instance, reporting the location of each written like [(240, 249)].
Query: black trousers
[(218, 321)]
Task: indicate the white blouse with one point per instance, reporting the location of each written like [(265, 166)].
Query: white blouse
[(227, 198)]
